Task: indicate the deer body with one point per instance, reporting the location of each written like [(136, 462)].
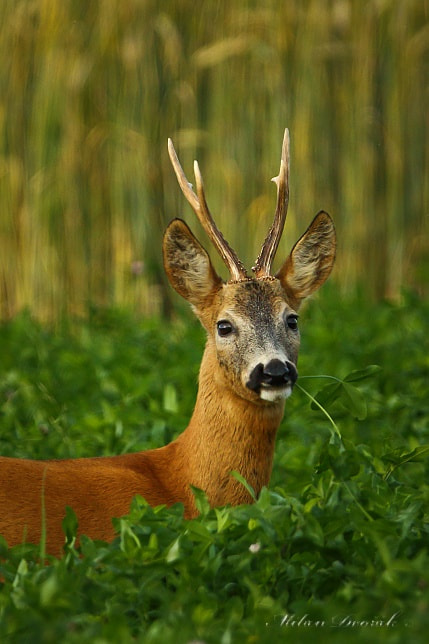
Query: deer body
[(101, 488), (247, 372)]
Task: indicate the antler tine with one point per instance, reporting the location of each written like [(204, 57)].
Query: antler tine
[(264, 262), (199, 205)]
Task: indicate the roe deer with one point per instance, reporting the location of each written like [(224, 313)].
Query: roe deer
[(247, 371)]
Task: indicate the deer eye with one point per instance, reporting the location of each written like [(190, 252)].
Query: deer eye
[(292, 322), (224, 328)]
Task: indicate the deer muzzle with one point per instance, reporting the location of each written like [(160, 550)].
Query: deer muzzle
[(276, 374)]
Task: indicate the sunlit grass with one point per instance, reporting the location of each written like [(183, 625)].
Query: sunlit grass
[(91, 91)]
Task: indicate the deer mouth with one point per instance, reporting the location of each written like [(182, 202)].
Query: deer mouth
[(274, 380), (274, 394)]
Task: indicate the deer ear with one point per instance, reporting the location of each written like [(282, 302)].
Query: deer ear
[(310, 261), (188, 265)]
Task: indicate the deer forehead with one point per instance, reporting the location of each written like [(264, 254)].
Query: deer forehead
[(255, 301)]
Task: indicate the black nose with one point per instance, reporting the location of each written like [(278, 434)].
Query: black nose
[(277, 373), (274, 374)]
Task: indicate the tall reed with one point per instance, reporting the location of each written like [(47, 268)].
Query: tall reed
[(90, 91)]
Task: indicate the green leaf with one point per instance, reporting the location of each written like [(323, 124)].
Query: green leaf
[(354, 401), (199, 531), (201, 500), (170, 399), (70, 525), (243, 481), (174, 551), (362, 374), (397, 458), (49, 590), (327, 395)]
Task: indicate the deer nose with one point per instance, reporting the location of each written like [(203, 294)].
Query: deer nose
[(275, 373)]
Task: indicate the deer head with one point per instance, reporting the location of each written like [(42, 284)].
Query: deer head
[(251, 321)]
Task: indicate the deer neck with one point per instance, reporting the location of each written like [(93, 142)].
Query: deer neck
[(226, 433)]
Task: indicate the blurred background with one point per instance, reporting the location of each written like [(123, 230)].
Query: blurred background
[(90, 91)]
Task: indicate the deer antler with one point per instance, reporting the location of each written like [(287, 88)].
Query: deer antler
[(263, 264), (199, 205)]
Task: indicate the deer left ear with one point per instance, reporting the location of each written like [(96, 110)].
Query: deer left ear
[(188, 266), (310, 261)]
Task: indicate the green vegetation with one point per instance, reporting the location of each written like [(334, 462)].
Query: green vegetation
[(339, 540), (90, 91)]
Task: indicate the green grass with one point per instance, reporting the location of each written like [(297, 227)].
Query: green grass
[(336, 548)]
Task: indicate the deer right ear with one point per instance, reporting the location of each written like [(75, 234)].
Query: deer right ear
[(188, 265), (310, 261)]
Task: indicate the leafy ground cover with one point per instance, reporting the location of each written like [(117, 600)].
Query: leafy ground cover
[(337, 547)]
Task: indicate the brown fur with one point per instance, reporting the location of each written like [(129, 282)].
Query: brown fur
[(231, 428)]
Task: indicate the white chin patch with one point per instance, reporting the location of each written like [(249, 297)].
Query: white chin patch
[(273, 394)]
